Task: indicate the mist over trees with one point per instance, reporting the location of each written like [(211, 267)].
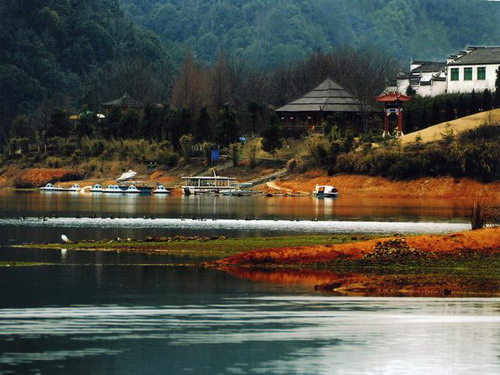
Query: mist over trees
[(269, 33)]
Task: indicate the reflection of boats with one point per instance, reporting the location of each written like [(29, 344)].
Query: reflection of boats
[(208, 184), (325, 191), (161, 190), (51, 187)]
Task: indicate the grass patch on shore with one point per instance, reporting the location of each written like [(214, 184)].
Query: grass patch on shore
[(202, 247)]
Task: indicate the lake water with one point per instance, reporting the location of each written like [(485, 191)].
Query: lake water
[(94, 312)]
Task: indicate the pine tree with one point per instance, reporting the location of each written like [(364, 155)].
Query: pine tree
[(461, 107), (435, 114), (449, 111), (487, 100), (473, 107), (497, 90)]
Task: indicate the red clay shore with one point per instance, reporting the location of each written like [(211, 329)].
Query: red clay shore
[(378, 187), (279, 266), (482, 240)]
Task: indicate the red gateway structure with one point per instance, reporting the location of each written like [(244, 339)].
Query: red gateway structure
[(393, 104)]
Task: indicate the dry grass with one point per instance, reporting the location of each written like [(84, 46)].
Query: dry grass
[(436, 132)]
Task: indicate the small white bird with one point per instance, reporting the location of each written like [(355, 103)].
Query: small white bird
[(65, 238)]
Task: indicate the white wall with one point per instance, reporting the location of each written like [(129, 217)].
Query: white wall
[(462, 86)]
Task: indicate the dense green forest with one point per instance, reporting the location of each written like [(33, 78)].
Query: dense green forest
[(269, 33), (217, 68), (63, 53)]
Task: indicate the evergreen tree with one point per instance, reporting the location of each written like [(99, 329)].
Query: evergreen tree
[(203, 126), (497, 89), (449, 111), (226, 130), (461, 107), (487, 100), (473, 107), (271, 136), (436, 113)]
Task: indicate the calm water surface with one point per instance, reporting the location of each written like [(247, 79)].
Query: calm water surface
[(93, 312)]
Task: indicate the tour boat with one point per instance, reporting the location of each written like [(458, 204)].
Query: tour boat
[(208, 184), (325, 191), (161, 190)]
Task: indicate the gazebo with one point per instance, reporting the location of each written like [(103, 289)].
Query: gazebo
[(126, 102), (310, 110), (393, 105)]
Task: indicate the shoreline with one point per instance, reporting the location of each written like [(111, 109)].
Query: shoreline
[(450, 265)]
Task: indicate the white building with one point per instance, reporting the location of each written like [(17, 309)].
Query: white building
[(472, 69)]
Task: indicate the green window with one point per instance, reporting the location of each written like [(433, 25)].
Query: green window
[(481, 73), (467, 74), (454, 74)]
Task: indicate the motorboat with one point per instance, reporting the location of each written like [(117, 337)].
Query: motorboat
[(126, 176), (238, 193), (161, 190), (113, 189), (325, 191)]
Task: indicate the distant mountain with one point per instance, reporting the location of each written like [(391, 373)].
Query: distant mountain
[(267, 33), (50, 48)]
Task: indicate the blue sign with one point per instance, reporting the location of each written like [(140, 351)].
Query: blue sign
[(215, 155)]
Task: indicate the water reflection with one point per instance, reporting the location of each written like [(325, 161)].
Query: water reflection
[(346, 207), (268, 334)]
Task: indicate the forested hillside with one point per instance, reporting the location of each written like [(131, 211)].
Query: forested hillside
[(54, 53), (267, 33)]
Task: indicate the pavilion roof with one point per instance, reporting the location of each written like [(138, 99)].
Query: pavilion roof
[(125, 101), (329, 96), (393, 97)]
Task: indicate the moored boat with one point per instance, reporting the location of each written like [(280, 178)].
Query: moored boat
[(97, 188), (208, 184), (325, 191), (112, 189), (132, 189), (161, 190)]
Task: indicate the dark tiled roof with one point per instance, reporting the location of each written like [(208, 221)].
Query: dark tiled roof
[(124, 101), (480, 55), (327, 97), (429, 67)]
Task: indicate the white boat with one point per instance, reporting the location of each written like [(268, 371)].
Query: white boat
[(161, 190), (238, 193), (113, 189), (97, 188), (74, 188), (51, 187), (325, 191), (132, 189), (126, 176), (208, 184)]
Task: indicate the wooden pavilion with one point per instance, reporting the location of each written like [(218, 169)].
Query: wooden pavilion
[(310, 111)]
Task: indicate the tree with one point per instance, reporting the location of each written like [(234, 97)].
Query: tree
[(203, 126), (226, 130), (473, 106), (186, 142), (436, 113), (21, 127), (271, 136), (449, 111), (461, 107), (487, 100), (497, 89)]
